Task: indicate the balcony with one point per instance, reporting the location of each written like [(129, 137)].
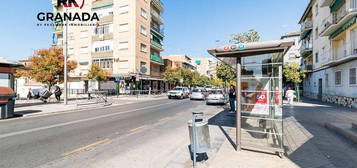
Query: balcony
[(105, 19), (156, 45), (107, 54), (102, 37), (306, 50), (344, 17), (158, 4), (340, 60), (159, 32), (156, 59), (101, 3), (326, 3), (306, 28), (157, 17)]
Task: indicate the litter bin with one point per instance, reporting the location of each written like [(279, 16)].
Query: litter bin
[(7, 102), (199, 134)]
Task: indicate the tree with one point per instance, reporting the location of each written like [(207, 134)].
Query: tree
[(293, 74), (217, 82), (246, 37), (172, 76), (226, 73), (46, 66), (98, 74)]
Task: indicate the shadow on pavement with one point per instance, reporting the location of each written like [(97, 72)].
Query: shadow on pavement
[(24, 112)]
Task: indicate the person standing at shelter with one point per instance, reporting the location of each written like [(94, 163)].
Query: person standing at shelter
[(232, 98), (29, 95), (290, 94)]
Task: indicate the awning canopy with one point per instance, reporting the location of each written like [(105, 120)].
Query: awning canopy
[(229, 53)]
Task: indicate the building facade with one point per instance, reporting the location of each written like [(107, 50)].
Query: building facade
[(293, 54), (205, 66), (126, 41), (181, 61), (329, 40)]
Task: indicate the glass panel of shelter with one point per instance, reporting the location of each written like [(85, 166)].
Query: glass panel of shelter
[(261, 112)]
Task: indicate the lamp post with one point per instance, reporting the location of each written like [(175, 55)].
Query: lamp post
[(65, 64)]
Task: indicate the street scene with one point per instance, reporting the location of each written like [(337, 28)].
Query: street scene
[(178, 84)]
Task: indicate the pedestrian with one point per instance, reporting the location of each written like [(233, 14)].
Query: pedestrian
[(232, 98), (29, 94), (58, 93), (290, 94)]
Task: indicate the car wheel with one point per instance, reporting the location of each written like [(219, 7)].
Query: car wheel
[(169, 97), (181, 97)]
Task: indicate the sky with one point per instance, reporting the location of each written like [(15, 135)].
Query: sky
[(191, 26)]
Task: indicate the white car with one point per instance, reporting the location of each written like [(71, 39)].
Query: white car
[(216, 96), (198, 94), (179, 92)]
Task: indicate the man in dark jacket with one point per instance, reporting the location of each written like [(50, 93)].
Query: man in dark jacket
[(58, 93), (232, 98)]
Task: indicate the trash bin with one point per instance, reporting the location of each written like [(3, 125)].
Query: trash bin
[(7, 102), (201, 135)]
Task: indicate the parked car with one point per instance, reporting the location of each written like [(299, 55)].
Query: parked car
[(198, 94), (179, 92), (216, 96)]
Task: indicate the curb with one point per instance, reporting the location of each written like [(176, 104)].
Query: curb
[(344, 130)]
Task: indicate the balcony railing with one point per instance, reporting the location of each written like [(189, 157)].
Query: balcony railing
[(156, 58), (308, 25), (157, 17), (306, 49), (159, 31), (156, 44), (158, 4)]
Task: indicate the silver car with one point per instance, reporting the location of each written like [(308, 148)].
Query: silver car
[(198, 94), (216, 96), (179, 92)]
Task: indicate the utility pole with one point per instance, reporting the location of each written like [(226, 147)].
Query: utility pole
[(65, 64)]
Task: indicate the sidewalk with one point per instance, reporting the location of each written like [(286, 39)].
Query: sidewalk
[(306, 141), (22, 108)]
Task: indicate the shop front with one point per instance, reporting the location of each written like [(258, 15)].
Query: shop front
[(259, 68)]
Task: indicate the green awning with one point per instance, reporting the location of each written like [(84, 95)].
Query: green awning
[(343, 28), (304, 34), (336, 5), (102, 5), (157, 35), (84, 63)]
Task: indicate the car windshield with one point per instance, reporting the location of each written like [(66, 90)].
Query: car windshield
[(215, 92), (196, 90), (178, 89)]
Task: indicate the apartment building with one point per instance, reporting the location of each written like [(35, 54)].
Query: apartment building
[(293, 54), (181, 61), (126, 41), (329, 45), (205, 66)]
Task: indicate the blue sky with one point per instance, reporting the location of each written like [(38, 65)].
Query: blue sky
[(191, 26)]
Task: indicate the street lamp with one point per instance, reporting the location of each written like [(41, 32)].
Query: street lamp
[(65, 64)]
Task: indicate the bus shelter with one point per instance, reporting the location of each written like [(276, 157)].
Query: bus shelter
[(259, 68)]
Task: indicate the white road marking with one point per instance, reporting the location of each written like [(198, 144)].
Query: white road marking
[(78, 121)]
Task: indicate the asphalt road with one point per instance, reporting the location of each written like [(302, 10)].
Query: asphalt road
[(32, 142)]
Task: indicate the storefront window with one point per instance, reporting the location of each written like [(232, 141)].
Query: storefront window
[(5, 80)]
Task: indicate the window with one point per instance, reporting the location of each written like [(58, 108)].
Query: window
[(143, 48), (102, 29), (123, 9), (316, 33), (353, 76), (70, 51), (123, 64), (84, 34), (316, 57), (326, 80), (338, 78), (124, 27), (123, 45), (5, 79), (104, 63), (102, 49), (354, 40), (144, 13), (83, 50), (316, 9), (143, 31)]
